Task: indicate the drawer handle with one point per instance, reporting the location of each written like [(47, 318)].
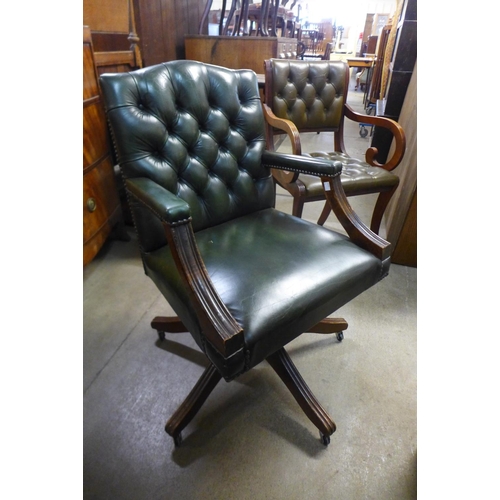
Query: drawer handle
[(91, 205)]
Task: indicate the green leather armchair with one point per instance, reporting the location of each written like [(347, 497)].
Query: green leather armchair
[(310, 96), (244, 278)]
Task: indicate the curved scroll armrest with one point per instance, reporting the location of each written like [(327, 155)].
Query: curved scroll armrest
[(359, 233), (217, 323), (319, 167), (281, 124), (167, 207), (381, 121)]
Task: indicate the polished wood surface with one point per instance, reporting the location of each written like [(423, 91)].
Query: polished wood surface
[(106, 15), (284, 367), (237, 52), (101, 207), (216, 321), (162, 26), (192, 404), (360, 62), (405, 251)]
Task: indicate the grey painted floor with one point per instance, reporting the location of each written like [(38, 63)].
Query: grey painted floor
[(250, 440)]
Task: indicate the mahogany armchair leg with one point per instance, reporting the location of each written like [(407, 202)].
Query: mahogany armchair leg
[(324, 214), (380, 206), (170, 324), (282, 364), (330, 325), (192, 404), (298, 206)]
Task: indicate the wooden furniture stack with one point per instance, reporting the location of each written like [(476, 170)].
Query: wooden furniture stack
[(101, 205)]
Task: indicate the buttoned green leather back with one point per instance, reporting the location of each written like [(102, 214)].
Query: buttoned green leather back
[(198, 131), (309, 93)]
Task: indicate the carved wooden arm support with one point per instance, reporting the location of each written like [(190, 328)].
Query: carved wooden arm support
[(283, 177), (380, 121), (217, 323), (281, 124), (330, 171), (359, 233)]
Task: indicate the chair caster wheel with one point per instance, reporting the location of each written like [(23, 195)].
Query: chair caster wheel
[(161, 336), (324, 439), (340, 336), (178, 440)]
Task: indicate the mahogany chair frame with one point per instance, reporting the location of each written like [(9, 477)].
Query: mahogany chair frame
[(291, 180)]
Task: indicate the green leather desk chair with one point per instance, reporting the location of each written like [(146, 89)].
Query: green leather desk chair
[(310, 96), (243, 278)]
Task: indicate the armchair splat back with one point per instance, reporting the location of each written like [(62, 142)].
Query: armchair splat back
[(243, 278)]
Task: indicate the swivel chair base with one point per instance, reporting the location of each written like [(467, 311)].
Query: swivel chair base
[(280, 362)]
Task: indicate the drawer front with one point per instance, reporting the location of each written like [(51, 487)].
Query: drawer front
[(95, 134), (100, 200)]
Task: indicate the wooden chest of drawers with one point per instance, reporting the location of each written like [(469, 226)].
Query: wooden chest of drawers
[(101, 205)]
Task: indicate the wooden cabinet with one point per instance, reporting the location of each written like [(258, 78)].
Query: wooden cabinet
[(237, 52), (101, 206)]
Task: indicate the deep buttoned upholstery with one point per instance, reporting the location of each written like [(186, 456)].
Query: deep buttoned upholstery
[(313, 96), (310, 95), (243, 278), (206, 150)]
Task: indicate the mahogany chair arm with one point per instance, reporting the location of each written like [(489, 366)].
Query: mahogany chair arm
[(358, 232), (381, 121), (330, 171), (281, 124), (217, 323), (283, 177)]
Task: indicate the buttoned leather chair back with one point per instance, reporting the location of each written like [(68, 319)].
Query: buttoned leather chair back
[(311, 96), (206, 151)]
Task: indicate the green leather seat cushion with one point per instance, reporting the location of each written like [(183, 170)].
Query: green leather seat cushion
[(357, 176), (277, 274)]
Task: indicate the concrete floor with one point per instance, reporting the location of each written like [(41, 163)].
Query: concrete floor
[(250, 440)]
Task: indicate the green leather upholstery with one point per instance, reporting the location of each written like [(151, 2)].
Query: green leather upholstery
[(311, 95), (357, 176), (190, 143), (277, 274), (207, 150)]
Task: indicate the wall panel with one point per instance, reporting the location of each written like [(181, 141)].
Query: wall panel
[(162, 25)]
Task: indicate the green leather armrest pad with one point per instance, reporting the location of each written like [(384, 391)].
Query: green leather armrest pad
[(302, 164), (163, 203)]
